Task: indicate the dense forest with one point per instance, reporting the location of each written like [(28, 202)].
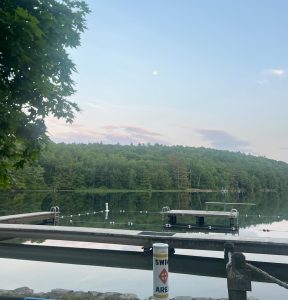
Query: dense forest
[(149, 167)]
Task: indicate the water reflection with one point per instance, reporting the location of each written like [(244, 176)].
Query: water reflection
[(268, 218), (140, 211)]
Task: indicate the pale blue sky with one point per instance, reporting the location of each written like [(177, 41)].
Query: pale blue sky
[(195, 73)]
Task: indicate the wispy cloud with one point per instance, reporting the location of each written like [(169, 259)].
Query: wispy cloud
[(140, 131), (95, 105), (279, 73), (131, 134), (268, 75), (75, 135), (263, 82), (110, 134), (222, 140), (110, 127)]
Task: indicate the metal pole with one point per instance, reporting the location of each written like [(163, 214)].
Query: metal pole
[(160, 271)]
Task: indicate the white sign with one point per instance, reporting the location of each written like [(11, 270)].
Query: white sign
[(160, 271)]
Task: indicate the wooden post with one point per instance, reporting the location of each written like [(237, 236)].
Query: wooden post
[(238, 278)]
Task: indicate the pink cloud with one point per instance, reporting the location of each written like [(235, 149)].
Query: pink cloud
[(223, 140), (111, 127), (110, 134)]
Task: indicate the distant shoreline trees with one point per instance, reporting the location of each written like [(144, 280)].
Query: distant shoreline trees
[(147, 167)]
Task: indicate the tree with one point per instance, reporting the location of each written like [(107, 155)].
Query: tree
[(35, 74)]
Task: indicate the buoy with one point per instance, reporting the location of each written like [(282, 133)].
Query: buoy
[(160, 271)]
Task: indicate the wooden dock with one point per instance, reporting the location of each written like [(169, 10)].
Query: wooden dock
[(46, 216), (145, 238), (184, 264), (200, 216)]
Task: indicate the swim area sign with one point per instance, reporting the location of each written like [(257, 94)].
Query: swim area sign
[(160, 271)]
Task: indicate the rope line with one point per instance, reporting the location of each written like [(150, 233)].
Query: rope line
[(128, 223), (263, 216), (272, 230), (267, 276), (121, 211)]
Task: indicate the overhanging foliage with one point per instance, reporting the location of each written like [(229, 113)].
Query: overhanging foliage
[(35, 74)]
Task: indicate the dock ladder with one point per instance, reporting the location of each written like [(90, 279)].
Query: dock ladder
[(56, 211)]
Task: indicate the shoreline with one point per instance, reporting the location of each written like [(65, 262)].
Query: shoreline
[(111, 191), (90, 295)]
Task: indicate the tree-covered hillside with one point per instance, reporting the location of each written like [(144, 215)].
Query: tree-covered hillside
[(81, 166)]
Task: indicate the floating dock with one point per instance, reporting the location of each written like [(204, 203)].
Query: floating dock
[(200, 216), (229, 203), (42, 217), (46, 216)]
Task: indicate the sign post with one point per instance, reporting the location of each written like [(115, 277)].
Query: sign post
[(160, 271)]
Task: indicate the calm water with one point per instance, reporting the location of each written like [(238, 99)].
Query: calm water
[(140, 211)]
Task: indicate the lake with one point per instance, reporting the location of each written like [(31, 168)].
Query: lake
[(140, 211)]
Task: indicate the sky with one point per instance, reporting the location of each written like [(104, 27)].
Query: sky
[(183, 72)]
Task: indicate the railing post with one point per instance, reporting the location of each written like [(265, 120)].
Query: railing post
[(160, 271), (238, 277)]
